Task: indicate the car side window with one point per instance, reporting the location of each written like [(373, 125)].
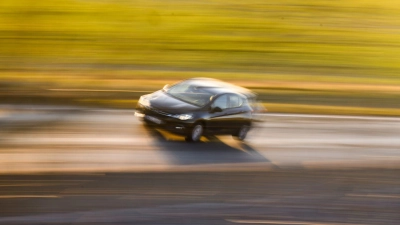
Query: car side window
[(235, 101), (221, 102)]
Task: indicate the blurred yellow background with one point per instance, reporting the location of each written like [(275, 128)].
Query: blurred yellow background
[(337, 57)]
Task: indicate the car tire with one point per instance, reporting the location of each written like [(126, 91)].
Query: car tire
[(242, 132), (196, 133)]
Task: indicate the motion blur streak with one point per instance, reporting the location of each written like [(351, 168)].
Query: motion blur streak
[(72, 152), (283, 196), (28, 196), (48, 140), (285, 222), (335, 57), (307, 169)]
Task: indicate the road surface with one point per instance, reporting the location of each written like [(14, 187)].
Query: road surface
[(87, 166), (64, 139)]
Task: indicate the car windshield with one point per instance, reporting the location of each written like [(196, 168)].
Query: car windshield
[(188, 92)]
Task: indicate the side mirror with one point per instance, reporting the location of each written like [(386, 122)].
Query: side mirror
[(215, 109), (166, 87)]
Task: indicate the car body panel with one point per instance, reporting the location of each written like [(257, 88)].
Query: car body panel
[(161, 100)]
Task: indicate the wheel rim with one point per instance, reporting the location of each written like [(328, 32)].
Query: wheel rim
[(196, 133), (243, 132)]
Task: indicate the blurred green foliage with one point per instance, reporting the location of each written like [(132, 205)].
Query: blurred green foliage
[(95, 43), (340, 38)]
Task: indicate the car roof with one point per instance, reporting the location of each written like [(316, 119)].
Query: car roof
[(219, 87)]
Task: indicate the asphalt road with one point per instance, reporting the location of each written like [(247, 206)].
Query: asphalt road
[(65, 139), (291, 197), (85, 166)]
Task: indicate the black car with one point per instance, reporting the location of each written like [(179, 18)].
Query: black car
[(199, 106)]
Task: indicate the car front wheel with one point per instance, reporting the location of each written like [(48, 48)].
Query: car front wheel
[(195, 133)]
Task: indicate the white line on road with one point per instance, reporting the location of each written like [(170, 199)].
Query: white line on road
[(285, 222), (373, 195), (330, 116), (29, 196)]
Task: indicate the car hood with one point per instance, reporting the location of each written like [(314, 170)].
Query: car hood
[(166, 103)]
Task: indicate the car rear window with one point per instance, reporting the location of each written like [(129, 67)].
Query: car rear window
[(235, 101)]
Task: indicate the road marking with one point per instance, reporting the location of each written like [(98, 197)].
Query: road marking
[(373, 195), (285, 222), (66, 182), (330, 116), (383, 156), (29, 196)]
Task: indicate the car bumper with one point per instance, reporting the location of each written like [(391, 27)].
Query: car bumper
[(165, 122)]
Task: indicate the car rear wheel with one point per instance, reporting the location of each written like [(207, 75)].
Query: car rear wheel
[(242, 132), (195, 133)]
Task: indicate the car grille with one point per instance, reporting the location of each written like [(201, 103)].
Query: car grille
[(159, 112)]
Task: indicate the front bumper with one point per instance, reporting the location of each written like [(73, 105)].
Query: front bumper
[(163, 120)]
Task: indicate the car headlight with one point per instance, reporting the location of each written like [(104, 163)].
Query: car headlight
[(184, 116), (144, 101)]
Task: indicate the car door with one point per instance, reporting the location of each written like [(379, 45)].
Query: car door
[(217, 118), (234, 114)]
